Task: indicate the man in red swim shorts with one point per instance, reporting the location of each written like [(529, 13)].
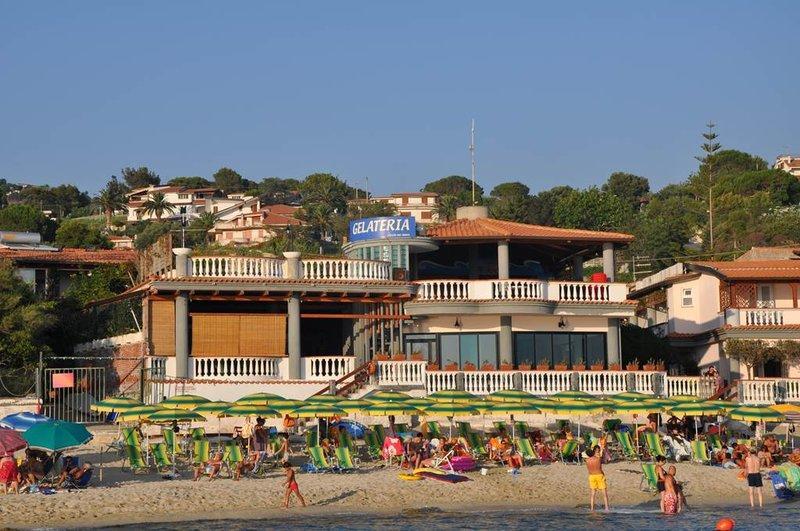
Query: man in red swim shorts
[(291, 485)]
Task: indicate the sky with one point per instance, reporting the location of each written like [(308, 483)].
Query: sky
[(562, 92)]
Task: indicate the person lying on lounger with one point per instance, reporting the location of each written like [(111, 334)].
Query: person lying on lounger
[(211, 468), (72, 471)]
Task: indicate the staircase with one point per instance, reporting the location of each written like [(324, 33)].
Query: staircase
[(351, 383)]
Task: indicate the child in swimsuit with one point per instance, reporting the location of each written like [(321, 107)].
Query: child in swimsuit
[(291, 485)]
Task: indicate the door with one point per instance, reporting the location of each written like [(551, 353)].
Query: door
[(424, 345), (773, 369), (764, 296)]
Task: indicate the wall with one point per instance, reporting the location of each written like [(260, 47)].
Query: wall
[(521, 323), (123, 357), (9, 406), (704, 313)]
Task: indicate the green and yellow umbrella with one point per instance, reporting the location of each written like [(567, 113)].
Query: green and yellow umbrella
[(116, 403), (354, 406), (694, 409), (323, 399), (452, 409), (247, 410), (511, 408), (572, 395), (165, 416), (213, 409), (319, 411), (755, 414), (481, 405), (577, 408), (137, 413), (630, 396), (636, 408), (183, 402), (790, 409), (387, 396), (540, 402), (511, 395), (452, 396), (420, 403), (685, 398), (258, 399), (663, 402), (286, 405), (391, 408)]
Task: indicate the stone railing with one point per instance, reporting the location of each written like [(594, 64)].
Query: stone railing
[(235, 368), (769, 390), (236, 267), (442, 380), (274, 268), (603, 382), (454, 290), (762, 316), (345, 269), (702, 386), (327, 367), (649, 382), (544, 383), (487, 382), (400, 373)]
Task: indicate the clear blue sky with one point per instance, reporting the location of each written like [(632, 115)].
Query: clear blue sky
[(563, 92)]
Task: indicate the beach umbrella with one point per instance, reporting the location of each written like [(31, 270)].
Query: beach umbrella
[(319, 411), (421, 403), (450, 410), (540, 402), (22, 421), (685, 398), (324, 399), (137, 413), (755, 414), (386, 409), (578, 408), (510, 395), (695, 409), (452, 395), (572, 395), (11, 441), (213, 409), (116, 403), (387, 396), (511, 409), (787, 409), (354, 406), (247, 410), (166, 416), (183, 402), (630, 397), (56, 435), (285, 406), (259, 399), (636, 408)]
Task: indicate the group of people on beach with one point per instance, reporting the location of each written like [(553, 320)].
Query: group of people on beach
[(31, 472)]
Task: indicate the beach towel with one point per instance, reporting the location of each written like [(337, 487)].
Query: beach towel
[(779, 487), (462, 463), (791, 473)]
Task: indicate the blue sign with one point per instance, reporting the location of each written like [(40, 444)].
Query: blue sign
[(381, 228)]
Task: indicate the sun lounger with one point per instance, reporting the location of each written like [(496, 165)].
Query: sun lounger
[(318, 460), (346, 441), (344, 460), (198, 433), (569, 452), (654, 446), (374, 446), (464, 428), (626, 444), (500, 425), (401, 428), (700, 452), (715, 442), (611, 424), (160, 454), (134, 457), (200, 451), (131, 436), (525, 449), (649, 476), (521, 428), (434, 430), (476, 444), (232, 456), (171, 440), (379, 431)]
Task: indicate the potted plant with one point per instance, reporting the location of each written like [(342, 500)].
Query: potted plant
[(487, 367), (632, 366), (560, 366), (598, 366), (580, 366), (661, 366), (432, 367), (451, 367), (543, 366), (507, 367), (417, 356), (399, 356), (650, 365), (469, 366), (380, 356), (525, 366), (614, 367)]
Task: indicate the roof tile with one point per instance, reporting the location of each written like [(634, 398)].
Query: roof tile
[(72, 256), (487, 228), (754, 269)]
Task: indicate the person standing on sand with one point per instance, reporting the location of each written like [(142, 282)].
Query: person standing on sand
[(671, 500), (753, 469), (660, 473), (597, 480), (291, 486)]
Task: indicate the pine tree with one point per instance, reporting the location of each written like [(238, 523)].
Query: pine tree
[(710, 147)]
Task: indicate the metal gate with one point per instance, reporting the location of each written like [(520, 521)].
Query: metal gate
[(69, 392)]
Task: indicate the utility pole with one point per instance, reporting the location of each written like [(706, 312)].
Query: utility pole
[(472, 157)]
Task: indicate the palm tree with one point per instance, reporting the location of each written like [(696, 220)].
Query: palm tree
[(446, 209), (109, 202), (157, 204), (204, 223)]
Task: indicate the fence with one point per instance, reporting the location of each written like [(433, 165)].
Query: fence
[(69, 392)]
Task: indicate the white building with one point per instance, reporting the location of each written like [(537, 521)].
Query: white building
[(419, 205), (788, 163), (195, 201)]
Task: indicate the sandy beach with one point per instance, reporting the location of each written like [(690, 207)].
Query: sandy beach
[(125, 498)]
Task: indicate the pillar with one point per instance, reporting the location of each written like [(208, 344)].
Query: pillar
[(293, 336), (506, 340), (612, 342), (577, 267), (502, 260), (182, 255), (473, 261), (292, 269), (609, 267)]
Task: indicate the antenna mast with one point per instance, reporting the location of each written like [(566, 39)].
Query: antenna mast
[(472, 157)]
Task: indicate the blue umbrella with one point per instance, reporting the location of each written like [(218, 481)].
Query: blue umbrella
[(22, 421)]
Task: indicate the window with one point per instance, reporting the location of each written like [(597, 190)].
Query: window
[(544, 348), (523, 349), (559, 348), (424, 201), (765, 296), (404, 200), (687, 300), (477, 348), (595, 349), (426, 214), (449, 349), (183, 196)]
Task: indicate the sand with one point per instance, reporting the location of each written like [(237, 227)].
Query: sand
[(125, 498)]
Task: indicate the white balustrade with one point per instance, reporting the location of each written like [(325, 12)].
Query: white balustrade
[(345, 269), (700, 386), (443, 290), (518, 290), (391, 373), (602, 382), (763, 317), (648, 382), (235, 368), (546, 382), (763, 391), (327, 367), (580, 291), (441, 380), (515, 290), (235, 267), (487, 382)]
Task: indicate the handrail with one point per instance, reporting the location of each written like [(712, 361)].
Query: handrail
[(355, 371), (724, 391)]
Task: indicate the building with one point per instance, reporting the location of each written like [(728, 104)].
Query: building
[(194, 201), (253, 224), (788, 163), (419, 205), (698, 305), (121, 241)]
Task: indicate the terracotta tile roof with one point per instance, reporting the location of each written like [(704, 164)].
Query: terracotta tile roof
[(752, 269), (72, 256), (299, 281), (767, 327), (495, 229)]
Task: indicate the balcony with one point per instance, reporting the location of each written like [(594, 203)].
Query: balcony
[(762, 316), (519, 290), (243, 267)]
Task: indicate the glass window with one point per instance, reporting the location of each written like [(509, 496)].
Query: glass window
[(544, 349), (469, 349), (561, 349), (686, 298), (449, 350), (523, 349), (487, 345), (577, 354), (595, 349)]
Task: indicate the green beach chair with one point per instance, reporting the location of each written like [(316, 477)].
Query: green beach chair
[(134, 457), (171, 441), (198, 433), (201, 450), (525, 449), (130, 436), (434, 430), (700, 452), (611, 424), (654, 446), (346, 441), (345, 460), (568, 451), (161, 454), (318, 459), (626, 444), (650, 476), (464, 429), (374, 447), (715, 442), (232, 456), (476, 445), (500, 425), (311, 437), (401, 427), (521, 428), (591, 440), (379, 432)]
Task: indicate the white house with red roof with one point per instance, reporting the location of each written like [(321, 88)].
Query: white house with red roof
[(194, 201), (788, 163), (254, 223)]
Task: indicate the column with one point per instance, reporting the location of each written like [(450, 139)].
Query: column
[(182, 255), (293, 336), (577, 267), (612, 341), (609, 266), (292, 269), (502, 260), (506, 340)]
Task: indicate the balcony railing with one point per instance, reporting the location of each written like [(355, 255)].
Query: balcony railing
[(274, 268), (454, 290), (702, 386), (763, 316), (327, 367), (769, 390), (344, 269), (400, 373), (235, 368)]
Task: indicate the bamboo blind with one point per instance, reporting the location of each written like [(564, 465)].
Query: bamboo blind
[(238, 335), (162, 327)]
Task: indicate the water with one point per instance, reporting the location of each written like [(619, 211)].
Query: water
[(783, 516)]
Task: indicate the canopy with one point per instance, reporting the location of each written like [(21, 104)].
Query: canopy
[(451, 396), (213, 409), (389, 408), (663, 402), (685, 398), (246, 410), (319, 411), (511, 408), (137, 413), (183, 401), (630, 397), (755, 414), (387, 396), (22, 421), (510, 395), (572, 395), (451, 409), (11, 441), (56, 436), (285, 406), (577, 408), (324, 399), (259, 399), (163, 416), (354, 406), (421, 403), (636, 408), (695, 409), (116, 403)]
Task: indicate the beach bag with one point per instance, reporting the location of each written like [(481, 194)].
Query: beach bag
[(779, 487)]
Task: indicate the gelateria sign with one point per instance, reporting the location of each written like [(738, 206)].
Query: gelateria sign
[(382, 228)]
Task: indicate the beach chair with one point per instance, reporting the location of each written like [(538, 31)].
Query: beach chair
[(521, 428), (197, 433), (379, 432), (526, 450), (346, 441), (500, 425), (626, 444), (715, 442), (311, 437), (476, 445), (135, 459), (232, 456), (700, 452), (374, 446), (344, 460), (130, 436), (569, 451), (200, 452), (592, 440), (611, 424), (318, 460), (71, 484), (434, 430), (650, 476), (401, 427), (171, 440), (654, 446), (464, 429), (160, 454)]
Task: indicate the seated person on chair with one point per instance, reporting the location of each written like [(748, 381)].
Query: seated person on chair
[(33, 467), (74, 474), (212, 467), (772, 446), (248, 465), (9, 474)]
